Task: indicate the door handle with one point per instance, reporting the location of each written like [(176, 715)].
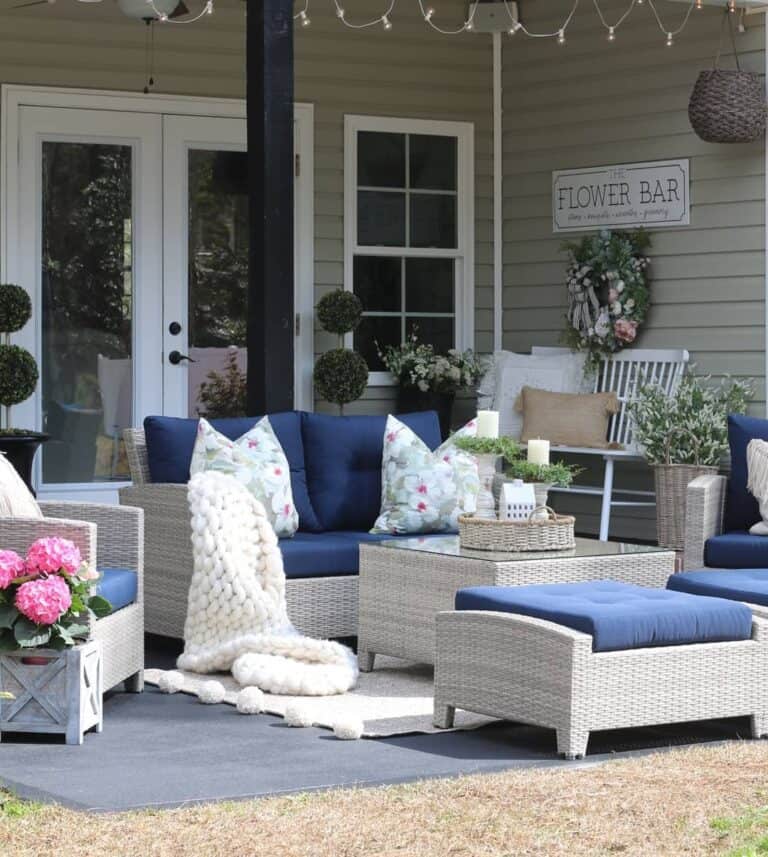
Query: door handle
[(176, 357)]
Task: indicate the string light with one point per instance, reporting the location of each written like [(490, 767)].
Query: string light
[(428, 13), (166, 19), (731, 5)]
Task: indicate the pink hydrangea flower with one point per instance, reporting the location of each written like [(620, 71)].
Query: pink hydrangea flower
[(11, 567), (52, 555), (625, 331), (43, 601)]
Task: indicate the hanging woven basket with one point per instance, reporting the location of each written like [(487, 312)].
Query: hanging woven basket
[(728, 105)]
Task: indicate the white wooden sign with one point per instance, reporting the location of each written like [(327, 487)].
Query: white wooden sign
[(654, 194)]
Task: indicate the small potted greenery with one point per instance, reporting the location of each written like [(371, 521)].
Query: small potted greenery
[(684, 436), (341, 374), (427, 380), (18, 379)]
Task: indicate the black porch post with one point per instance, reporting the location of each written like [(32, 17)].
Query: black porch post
[(270, 334)]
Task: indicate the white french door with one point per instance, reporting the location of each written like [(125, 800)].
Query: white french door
[(129, 228)]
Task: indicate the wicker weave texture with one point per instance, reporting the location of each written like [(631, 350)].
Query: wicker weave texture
[(672, 482), (488, 534), (705, 505), (402, 591), (319, 606), (533, 671), (727, 106)]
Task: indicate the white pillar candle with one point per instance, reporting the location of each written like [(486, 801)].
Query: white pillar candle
[(487, 423), (538, 451)]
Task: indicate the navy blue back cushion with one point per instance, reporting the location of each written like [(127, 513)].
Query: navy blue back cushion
[(170, 441), (741, 509), (343, 456)]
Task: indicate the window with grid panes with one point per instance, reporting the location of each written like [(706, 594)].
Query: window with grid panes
[(407, 258)]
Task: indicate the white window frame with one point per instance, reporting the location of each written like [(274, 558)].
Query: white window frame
[(464, 253)]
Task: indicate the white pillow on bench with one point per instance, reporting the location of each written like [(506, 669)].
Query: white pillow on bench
[(510, 372)]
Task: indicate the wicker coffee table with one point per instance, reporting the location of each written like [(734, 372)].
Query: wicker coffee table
[(405, 583)]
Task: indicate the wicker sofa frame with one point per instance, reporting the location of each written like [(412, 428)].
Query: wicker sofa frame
[(317, 606), (534, 671), (108, 537)]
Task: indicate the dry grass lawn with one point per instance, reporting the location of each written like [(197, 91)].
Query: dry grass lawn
[(702, 801)]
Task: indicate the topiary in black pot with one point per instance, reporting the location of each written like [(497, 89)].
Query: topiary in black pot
[(18, 379), (341, 374)]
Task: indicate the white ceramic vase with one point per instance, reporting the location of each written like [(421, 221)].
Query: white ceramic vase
[(486, 470)]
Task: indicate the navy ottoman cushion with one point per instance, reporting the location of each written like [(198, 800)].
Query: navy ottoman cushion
[(343, 456), (170, 441), (736, 550), (741, 509), (746, 584), (119, 586), (617, 615)]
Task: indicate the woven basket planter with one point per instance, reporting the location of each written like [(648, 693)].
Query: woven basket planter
[(671, 491), (552, 533), (728, 106)]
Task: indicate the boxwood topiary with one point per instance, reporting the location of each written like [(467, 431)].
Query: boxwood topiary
[(339, 311), (15, 308), (340, 376), (18, 375)]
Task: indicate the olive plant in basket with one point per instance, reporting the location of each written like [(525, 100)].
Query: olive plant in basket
[(47, 598), (18, 379), (341, 374), (684, 435)]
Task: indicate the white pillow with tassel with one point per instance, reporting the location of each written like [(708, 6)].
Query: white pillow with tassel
[(757, 482)]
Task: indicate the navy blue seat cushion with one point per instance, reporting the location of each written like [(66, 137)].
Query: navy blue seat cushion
[(334, 554), (744, 584), (170, 441), (736, 550), (343, 457), (741, 509), (617, 615), (119, 586)]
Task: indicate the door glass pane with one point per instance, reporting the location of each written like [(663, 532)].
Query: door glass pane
[(87, 309), (218, 282)]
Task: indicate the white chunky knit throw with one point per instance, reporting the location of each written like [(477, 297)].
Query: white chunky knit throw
[(236, 615), (757, 482)]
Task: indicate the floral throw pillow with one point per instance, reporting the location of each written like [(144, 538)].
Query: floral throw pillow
[(257, 461), (424, 491)]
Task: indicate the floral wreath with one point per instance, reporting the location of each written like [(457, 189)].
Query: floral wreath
[(608, 291)]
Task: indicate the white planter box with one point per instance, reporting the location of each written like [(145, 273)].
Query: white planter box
[(62, 694)]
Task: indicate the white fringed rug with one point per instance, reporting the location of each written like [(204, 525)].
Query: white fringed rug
[(394, 699)]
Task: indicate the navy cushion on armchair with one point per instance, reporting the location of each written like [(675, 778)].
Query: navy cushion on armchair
[(343, 456), (170, 441), (741, 509), (744, 584), (736, 550)]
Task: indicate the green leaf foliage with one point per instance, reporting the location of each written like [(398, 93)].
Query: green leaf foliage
[(18, 374), (339, 311), (100, 606), (341, 376), (15, 308), (503, 446), (557, 473), (30, 636), (8, 615)]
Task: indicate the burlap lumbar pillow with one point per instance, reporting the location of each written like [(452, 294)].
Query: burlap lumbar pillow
[(567, 419)]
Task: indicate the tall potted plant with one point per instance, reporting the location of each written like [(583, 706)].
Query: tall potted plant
[(427, 380), (341, 374), (684, 436), (18, 379)]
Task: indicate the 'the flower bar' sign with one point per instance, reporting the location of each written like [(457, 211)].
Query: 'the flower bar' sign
[(624, 196)]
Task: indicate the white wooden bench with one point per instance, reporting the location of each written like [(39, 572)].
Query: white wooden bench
[(623, 373)]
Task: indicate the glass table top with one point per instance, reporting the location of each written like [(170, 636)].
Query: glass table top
[(449, 546)]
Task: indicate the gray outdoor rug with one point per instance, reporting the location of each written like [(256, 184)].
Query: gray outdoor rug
[(394, 699)]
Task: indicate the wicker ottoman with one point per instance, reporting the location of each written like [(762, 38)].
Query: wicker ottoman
[(531, 670)]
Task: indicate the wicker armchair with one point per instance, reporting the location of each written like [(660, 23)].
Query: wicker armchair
[(705, 504), (108, 537)]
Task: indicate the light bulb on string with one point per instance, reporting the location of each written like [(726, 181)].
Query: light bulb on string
[(469, 26), (386, 23), (514, 28), (340, 13), (561, 37), (304, 18), (611, 34), (699, 5), (731, 5), (670, 40), (428, 14)]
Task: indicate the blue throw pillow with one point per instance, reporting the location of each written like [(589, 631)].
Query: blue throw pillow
[(343, 458), (741, 509), (170, 441)]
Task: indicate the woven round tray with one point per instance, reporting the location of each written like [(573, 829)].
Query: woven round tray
[(553, 533)]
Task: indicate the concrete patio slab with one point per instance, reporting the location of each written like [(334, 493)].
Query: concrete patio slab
[(158, 750)]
